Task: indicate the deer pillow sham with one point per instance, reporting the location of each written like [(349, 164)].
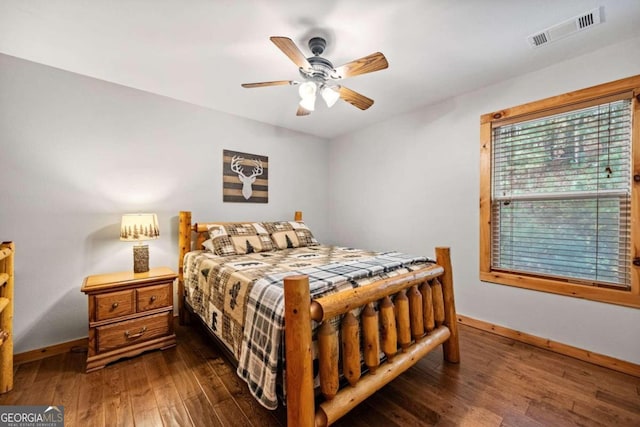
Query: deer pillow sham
[(290, 234), (239, 238)]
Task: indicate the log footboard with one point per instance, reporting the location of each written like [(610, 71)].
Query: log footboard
[(420, 317)]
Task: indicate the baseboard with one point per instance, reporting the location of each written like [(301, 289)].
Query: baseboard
[(567, 350), (40, 353)]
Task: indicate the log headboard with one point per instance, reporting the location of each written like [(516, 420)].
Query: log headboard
[(186, 243)]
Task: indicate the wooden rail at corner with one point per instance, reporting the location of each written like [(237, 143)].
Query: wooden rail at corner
[(7, 252)]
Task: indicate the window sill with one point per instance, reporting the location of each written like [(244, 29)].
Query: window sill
[(627, 298)]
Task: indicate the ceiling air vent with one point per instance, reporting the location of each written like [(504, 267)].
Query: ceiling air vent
[(539, 39), (566, 28), (586, 20)]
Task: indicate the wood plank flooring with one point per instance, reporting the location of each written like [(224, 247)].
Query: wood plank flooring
[(499, 382)]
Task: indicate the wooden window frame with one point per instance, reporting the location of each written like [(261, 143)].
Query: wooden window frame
[(627, 297)]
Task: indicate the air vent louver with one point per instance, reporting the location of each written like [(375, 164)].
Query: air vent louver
[(539, 39), (585, 21), (566, 28)]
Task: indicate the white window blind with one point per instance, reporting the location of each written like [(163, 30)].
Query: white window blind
[(561, 195)]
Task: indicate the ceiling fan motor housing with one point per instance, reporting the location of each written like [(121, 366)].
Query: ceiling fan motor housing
[(321, 68), (317, 45)]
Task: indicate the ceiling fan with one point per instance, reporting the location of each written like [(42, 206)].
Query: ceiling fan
[(319, 75)]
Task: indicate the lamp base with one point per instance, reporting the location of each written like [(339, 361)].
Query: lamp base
[(140, 258)]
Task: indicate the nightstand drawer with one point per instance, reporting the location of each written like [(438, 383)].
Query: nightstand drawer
[(132, 331), (152, 297), (114, 304)]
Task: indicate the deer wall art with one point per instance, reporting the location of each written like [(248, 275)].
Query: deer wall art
[(246, 180), (236, 174)]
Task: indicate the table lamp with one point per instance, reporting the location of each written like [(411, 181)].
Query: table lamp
[(137, 228)]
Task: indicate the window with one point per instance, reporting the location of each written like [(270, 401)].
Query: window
[(559, 194)]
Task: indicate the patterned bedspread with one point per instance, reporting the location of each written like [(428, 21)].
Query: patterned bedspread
[(241, 298)]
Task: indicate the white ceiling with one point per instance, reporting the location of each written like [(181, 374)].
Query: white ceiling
[(200, 51)]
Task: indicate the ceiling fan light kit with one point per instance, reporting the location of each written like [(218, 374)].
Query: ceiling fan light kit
[(307, 92), (318, 74), (308, 104), (330, 96)]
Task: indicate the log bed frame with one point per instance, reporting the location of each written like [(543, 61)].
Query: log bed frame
[(419, 317)]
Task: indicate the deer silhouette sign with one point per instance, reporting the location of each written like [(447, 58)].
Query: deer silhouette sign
[(247, 181)]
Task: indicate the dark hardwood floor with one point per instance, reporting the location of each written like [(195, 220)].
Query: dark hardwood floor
[(499, 382)]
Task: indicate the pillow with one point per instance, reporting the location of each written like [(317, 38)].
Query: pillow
[(290, 234), (239, 238), (207, 245)]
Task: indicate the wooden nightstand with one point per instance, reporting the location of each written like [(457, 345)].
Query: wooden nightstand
[(129, 313)]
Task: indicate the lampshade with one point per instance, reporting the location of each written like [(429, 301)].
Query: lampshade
[(307, 90), (330, 95), (308, 103), (138, 227)]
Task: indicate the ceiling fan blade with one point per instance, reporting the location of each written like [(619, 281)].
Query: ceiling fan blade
[(355, 99), (302, 111), (374, 62), (289, 48), (263, 84)]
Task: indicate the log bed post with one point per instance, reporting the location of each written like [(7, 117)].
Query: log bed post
[(451, 347), (184, 246), (298, 359)]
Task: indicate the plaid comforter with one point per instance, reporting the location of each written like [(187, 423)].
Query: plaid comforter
[(241, 298)]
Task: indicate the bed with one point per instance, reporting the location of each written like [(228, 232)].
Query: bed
[(355, 319)]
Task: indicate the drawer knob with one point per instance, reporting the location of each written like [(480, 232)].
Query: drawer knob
[(115, 305), (153, 298), (133, 336)]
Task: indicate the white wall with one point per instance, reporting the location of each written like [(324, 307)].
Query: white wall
[(76, 153), (411, 183)]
